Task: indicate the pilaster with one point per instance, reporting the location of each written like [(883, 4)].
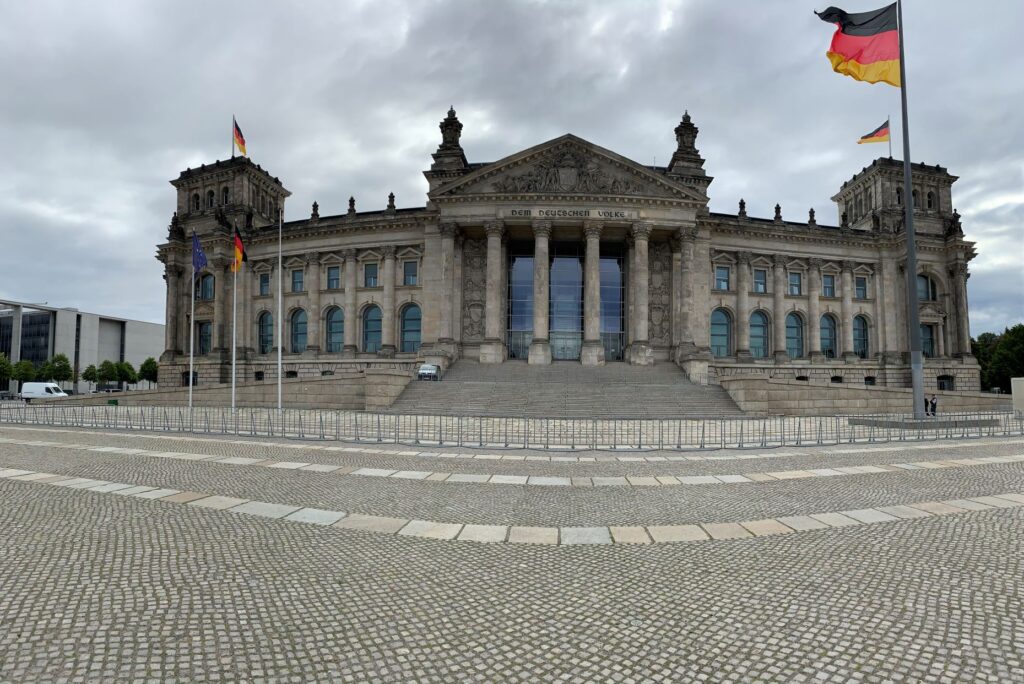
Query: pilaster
[(387, 348), (640, 352), (846, 326), (592, 353), (814, 310), (779, 308), (351, 314), (743, 306), (540, 347), (492, 349)]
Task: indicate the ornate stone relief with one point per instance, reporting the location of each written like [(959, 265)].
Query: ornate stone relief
[(660, 293), (569, 168), (474, 288)]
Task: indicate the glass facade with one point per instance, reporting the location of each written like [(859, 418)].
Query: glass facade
[(613, 303), (565, 312), (35, 336), (520, 300)]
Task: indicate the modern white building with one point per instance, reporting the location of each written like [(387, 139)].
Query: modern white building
[(37, 333)]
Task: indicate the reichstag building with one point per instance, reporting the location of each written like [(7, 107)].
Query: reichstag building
[(569, 252)]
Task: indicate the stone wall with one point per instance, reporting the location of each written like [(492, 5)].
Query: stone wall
[(383, 385), (762, 395)]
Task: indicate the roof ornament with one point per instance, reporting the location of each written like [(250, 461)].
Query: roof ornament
[(391, 204), (449, 155), (743, 209), (778, 213), (810, 217), (315, 214), (686, 161), (351, 206)]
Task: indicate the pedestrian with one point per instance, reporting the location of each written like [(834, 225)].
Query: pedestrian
[(927, 411), (933, 404)]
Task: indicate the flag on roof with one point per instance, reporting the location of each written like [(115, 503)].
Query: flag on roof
[(880, 134), (239, 138), (198, 256), (866, 45)]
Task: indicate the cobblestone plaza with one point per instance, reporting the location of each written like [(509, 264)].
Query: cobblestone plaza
[(135, 556)]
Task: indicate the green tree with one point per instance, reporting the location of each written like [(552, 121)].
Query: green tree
[(107, 372), (982, 349), (126, 374), (24, 371), (44, 373), (5, 370), (62, 371), (149, 371), (90, 374), (1007, 359)]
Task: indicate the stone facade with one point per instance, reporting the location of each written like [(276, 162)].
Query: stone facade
[(633, 268)]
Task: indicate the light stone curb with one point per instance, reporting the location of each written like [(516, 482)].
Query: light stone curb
[(563, 536)]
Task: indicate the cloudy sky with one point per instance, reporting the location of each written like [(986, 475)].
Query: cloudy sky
[(104, 102)]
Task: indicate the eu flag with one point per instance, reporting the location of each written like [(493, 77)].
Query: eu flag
[(198, 256)]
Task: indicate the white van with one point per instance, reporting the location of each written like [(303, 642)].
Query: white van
[(40, 390)]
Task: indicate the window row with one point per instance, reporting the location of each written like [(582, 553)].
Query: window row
[(410, 326), (723, 340), (211, 199), (410, 276), (931, 199), (723, 282)]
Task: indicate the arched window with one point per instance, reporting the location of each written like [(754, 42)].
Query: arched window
[(411, 319), (204, 287), (794, 336), (265, 328), (299, 331), (225, 195), (926, 291), (196, 202), (758, 335), (828, 336), (371, 329), (930, 200), (860, 336), (335, 330), (914, 192), (211, 198), (721, 333)]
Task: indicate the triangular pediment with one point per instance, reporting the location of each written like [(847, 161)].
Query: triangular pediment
[(567, 166)]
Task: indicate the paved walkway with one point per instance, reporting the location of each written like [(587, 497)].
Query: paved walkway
[(146, 557)]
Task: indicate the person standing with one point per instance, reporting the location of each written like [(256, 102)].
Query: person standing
[(933, 404)]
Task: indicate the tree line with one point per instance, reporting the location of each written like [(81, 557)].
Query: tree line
[(1001, 357), (59, 369)]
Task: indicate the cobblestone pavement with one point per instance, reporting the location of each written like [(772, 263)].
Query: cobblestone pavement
[(204, 573)]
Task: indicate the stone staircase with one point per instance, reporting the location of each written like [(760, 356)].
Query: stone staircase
[(565, 389)]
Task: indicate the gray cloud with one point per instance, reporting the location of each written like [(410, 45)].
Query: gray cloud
[(106, 101)]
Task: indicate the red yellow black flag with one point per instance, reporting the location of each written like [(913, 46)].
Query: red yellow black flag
[(239, 138), (240, 254), (880, 134), (866, 45)]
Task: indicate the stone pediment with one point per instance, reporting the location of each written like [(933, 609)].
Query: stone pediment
[(567, 166)]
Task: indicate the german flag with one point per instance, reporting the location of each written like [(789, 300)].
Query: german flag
[(240, 254), (866, 45), (239, 138), (880, 134)]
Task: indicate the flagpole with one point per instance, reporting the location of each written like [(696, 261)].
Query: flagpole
[(234, 323), (191, 336), (232, 136), (913, 315), (280, 305), (888, 120)]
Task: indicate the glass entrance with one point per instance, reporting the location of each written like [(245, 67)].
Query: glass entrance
[(565, 314), (520, 300), (613, 335)]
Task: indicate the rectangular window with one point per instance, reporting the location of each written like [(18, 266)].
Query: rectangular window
[(721, 277), (828, 286), (334, 277), (928, 341), (795, 284), (264, 284), (205, 334), (760, 281), (861, 288), (409, 273), (297, 284), (370, 275)]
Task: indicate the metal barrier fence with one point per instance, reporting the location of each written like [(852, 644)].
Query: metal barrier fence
[(522, 433)]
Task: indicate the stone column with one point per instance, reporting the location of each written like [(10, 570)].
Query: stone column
[(846, 310), (743, 306), (963, 324), (640, 352), (313, 294), (630, 314), (592, 353), (676, 246), (687, 242), (779, 308), (172, 274), (540, 347), (351, 314), (457, 294), (16, 313), (814, 311), (387, 348), (492, 350), (448, 231)]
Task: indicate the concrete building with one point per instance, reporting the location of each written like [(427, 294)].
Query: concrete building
[(569, 251), (37, 333)]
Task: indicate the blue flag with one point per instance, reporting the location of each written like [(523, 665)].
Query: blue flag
[(198, 256)]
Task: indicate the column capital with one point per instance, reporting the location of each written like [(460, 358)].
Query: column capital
[(641, 230), (592, 229), (743, 257), (958, 269), (448, 229), (815, 263), (780, 260), (312, 257), (173, 270), (687, 233), (494, 228), (348, 254), (542, 229), (388, 251), (849, 265)]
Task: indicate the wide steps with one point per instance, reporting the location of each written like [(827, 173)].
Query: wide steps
[(565, 390)]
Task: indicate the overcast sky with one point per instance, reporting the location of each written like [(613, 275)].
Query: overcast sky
[(103, 102)]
